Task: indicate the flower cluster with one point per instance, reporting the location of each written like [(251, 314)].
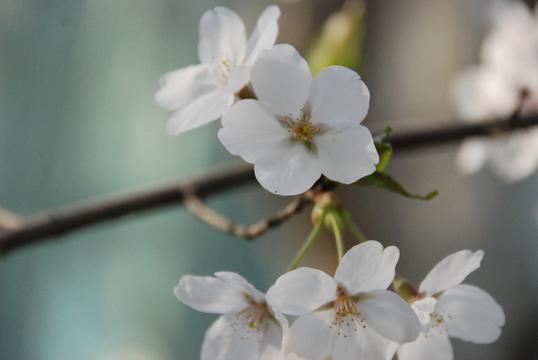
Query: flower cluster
[(509, 70), (275, 115), (348, 316), (295, 128)]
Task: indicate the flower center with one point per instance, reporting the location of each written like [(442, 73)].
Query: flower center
[(226, 65), (222, 71), (301, 129), (344, 305), (438, 324), (347, 318), (251, 323)]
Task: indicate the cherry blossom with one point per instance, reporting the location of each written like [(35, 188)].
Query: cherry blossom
[(201, 93), (493, 89), (301, 128), (348, 316), (248, 329), (447, 308)]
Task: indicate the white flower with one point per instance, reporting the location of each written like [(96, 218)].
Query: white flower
[(509, 65), (201, 93), (447, 308), (301, 127), (249, 329), (346, 317)]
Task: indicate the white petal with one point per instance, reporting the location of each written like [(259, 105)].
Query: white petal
[(316, 337), (435, 347), (271, 346), (224, 340), (347, 154), (301, 291), (481, 93), (180, 87), (515, 157), (222, 37), (367, 267), (264, 35), (281, 79), (208, 294), (200, 112), (250, 131), (310, 336), (390, 316), (451, 271), (424, 308), (471, 155), (471, 314), (290, 169), (338, 96), (238, 282), (238, 78)]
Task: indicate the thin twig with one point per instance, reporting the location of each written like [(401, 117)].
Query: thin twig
[(42, 228), (197, 207)]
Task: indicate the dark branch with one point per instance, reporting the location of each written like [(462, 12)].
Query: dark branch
[(41, 228), (454, 133)]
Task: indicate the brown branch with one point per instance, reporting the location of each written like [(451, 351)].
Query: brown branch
[(41, 228), (197, 207), (442, 135)]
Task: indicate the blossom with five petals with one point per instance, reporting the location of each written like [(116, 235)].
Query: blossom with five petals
[(509, 65), (301, 128), (348, 316), (249, 329), (201, 93), (448, 308)]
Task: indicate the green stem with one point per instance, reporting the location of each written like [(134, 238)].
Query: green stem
[(355, 231), (307, 244), (337, 237)]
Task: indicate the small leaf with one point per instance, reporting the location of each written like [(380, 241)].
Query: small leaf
[(384, 149), (384, 181), (340, 40)]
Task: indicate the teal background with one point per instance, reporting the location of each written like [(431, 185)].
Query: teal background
[(78, 121)]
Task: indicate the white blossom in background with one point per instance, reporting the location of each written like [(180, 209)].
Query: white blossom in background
[(509, 64), (349, 316), (248, 329), (447, 308), (201, 93), (301, 128)]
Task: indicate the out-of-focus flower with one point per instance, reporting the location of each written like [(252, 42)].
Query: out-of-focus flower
[(249, 328), (300, 128), (447, 308), (201, 93), (348, 316), (509, 66)]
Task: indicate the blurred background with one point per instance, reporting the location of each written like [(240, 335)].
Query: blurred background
[(78, 121)]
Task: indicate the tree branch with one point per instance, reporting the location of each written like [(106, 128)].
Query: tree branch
[(41, 228)]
